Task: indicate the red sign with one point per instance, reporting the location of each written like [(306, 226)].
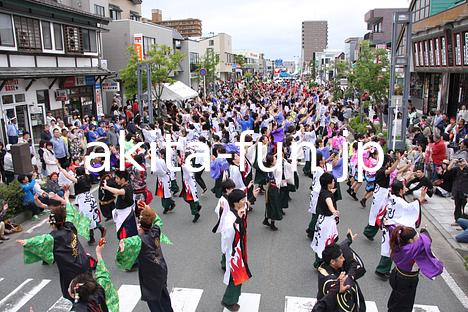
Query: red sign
[(69, 82)]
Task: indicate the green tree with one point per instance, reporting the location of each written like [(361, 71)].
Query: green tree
[(208, 62), (163, 62), (371, 74), (240, 59)]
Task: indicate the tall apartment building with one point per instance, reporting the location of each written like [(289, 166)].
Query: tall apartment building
[(380, 26), (189, 27), (314, 38)]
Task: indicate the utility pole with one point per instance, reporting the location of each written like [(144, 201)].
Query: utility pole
[(399, 61), (149, 89)]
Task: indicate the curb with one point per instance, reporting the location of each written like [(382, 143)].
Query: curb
[(462, 252), (22, 217)]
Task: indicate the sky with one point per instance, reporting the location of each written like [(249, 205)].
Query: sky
[(273, 26)]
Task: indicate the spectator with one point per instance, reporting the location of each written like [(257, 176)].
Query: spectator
[(462, 113), (418, 181), (2, 166), (439, 153), (12, 131), (28, 197), (49, 159), (52, 184), (444, 182), (45, 134), (3, 213), (419, 138), (460, 186), (462, 237), (462, 152), (460, 130), (50, 119), (60, 148), (8, 165)]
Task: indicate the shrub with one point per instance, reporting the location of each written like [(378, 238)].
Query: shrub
[(358, 127), (13, 194)]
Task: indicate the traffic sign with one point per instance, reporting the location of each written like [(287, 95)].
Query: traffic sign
[(203, 72)]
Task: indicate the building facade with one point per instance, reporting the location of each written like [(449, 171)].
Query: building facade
[(314, 39), (50, 61), (189, 27), (352, 49), (221, 45), (380, 26), (440, 55), (122, 34), (125, 9)]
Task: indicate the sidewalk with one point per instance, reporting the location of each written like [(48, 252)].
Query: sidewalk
[(439, 211)]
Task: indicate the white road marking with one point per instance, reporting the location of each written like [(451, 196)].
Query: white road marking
[(371, 306), (129, 295), (1, 279), (16, 299), (185, 299), (37, 226), (299, 304), (461, 296), (425, 308), (248, 303), (61, 305)]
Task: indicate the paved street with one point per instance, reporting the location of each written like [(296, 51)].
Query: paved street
[(281, 263)]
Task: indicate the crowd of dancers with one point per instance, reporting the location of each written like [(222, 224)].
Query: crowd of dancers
[(279, 114)]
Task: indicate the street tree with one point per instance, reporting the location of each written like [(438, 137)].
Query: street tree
[(371, 74), (209, 62), (163, 63)]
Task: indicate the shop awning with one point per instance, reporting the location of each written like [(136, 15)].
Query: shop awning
[(51, 72), (178, 91)]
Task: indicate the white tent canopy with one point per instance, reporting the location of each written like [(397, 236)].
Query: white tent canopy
[(178, 91)]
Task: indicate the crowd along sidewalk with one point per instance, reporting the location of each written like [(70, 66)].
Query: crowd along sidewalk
[(439, 211)]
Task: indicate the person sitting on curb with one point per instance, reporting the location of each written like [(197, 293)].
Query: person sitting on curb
[(2, 224), (462, 237), (418, 181)]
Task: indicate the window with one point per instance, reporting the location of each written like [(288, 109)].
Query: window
[(421, 10), (46, 35), (99, 10), (7, 99), (444, 51), (58, 40), (28, 33), (42, 97), (6, 31), (134, 16), (20, 98), (89, 40), (73, 43), (148, 44), (115, 12), (466, 49), (377, 27), (211, 43)]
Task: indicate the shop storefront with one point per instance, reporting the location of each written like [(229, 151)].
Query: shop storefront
[(81, 96), (440, 60)]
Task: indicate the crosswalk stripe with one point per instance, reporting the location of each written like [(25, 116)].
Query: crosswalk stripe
[(185, 299), (61, 305), (298, 304), (129, 295), (16, 299), (371, 306), (425, 308), (248, 303)]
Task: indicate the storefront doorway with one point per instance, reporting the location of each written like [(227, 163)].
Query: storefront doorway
[(21, 113)]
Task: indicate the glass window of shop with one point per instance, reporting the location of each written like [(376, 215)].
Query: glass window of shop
[(81, 100)]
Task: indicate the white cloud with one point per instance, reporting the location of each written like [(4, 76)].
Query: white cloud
[(274, 26)]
